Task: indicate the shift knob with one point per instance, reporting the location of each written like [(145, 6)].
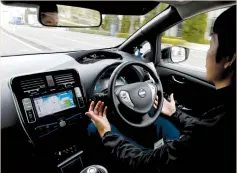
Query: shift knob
[(94, 169)]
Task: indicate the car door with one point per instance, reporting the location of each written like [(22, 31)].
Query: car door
[(192, 93)]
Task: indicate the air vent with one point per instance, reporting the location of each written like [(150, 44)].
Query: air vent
[(64, 79), (32, 84)]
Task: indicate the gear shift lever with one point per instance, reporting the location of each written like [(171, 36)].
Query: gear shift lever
[(94, 169)]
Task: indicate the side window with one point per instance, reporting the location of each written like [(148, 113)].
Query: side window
[(194, 34)]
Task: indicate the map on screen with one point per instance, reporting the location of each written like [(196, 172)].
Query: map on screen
[(51, 104)]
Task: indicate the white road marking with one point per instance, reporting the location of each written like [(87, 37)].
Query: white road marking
[(51, 45), (26, 44), (24, 50), (99, 38), (77, 41)]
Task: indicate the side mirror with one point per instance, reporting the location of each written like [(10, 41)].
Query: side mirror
[(175, 54)]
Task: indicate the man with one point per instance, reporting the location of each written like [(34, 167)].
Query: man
[(207, 143), (49, 15)]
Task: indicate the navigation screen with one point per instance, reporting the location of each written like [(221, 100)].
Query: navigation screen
[(50, 104)]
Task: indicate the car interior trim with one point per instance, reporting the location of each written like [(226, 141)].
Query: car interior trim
[(69, 159)]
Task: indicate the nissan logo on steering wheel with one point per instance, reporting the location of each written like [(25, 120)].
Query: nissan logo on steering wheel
[(142, 93)]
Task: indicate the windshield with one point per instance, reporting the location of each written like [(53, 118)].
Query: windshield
[(21, 33)]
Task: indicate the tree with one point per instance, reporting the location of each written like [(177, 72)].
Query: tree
[(162, 6), (125, 24), (150, 15), (137, 22), (105, 24), (194, 28), (108, 20)]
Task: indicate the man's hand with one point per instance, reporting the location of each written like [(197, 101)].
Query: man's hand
[(98, 116), (168, 107)]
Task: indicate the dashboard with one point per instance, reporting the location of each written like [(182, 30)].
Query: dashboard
[(48, 101), (44, 98), (16, 65)]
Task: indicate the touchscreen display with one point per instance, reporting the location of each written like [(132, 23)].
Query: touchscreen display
[(53, 103)]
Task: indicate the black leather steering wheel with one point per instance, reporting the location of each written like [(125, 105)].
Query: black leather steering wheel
[(136, 99)]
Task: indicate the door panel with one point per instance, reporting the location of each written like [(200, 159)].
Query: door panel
[(191, 93)]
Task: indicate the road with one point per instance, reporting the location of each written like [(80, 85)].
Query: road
[(11, 45), (25, 39)]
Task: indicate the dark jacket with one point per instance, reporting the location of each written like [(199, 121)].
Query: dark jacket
[(207, 144)]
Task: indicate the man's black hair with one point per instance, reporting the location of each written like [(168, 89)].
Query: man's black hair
[(225, 28), (49, 8)]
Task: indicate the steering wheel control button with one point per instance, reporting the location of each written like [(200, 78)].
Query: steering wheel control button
[(142, 93), (125, 98), (62, 123), (153, 89)]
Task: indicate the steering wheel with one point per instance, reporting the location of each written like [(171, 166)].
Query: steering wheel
[(136, 100)]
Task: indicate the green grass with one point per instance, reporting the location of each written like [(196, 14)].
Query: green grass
[(123, 35), (173, 41), (90, 31)]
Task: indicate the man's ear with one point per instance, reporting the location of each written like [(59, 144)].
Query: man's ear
[(229, 61)]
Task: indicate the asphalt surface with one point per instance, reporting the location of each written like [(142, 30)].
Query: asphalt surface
[(17, 39)]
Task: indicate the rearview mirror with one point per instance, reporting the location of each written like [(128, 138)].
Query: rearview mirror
[(68, 16), (175, 54)]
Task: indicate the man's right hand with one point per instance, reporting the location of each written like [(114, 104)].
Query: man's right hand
[(168, 106), (97, 113)]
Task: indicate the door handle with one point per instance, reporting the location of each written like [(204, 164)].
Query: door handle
[(185, 109), (177, 81)]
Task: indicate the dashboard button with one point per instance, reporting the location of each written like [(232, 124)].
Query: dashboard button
[(40, 130), (81, 102), (27, 104), (78, 92), (61, 87), (26, 101), (92, 170), (43, 91), (55, 126), (62, 123), (47, 128), (50, 81), (34, 93), (30, 116), (68, 85)]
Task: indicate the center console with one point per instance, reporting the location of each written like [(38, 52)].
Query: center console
[(48, 104)]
